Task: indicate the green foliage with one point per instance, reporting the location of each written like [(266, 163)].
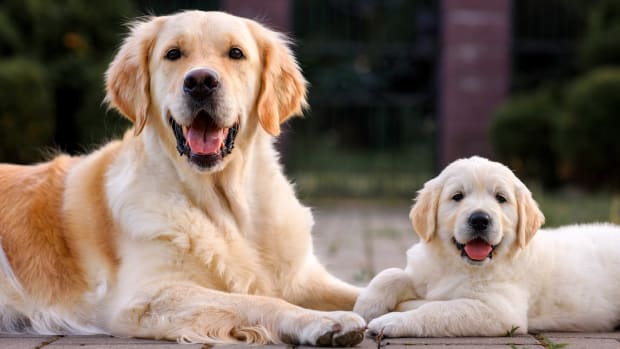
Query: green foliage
[(522, 132), (570, 134), (64, 46), (25, 123), (601, 42), (588, 140), (512, 331)]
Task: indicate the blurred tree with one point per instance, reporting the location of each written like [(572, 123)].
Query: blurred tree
[(25, 125), (601, 42), (61, 48), (588, 133), (564, 126), (522, 133)]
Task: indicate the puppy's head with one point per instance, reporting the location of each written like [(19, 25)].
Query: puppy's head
[(204, 81), (477, 210)]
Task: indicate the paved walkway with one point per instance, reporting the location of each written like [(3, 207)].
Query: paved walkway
[(355, 241)]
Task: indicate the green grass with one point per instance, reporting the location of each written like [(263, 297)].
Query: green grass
[(576, 206)]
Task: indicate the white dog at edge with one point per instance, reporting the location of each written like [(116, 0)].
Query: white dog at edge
[(483, 267)]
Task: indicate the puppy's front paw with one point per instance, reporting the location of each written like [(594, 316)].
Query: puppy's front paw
[(392, 325), (370, 307), (337, 329), (383, 293)]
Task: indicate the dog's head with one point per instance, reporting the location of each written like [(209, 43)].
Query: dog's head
[(204, 81), (477, 209)]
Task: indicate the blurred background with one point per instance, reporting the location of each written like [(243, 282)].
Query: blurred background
[(399, 88)]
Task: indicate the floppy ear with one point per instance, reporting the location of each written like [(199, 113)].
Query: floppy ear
[(127, 77), (423, 214), (283, 87), (530, 216)]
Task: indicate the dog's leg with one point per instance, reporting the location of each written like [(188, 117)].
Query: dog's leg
[(384, 292), (458, 317), (314, 288), (189, 313)]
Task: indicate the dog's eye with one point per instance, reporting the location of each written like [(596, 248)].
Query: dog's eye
[(173, 54), (235, 53), (500, 198), (457, 197)]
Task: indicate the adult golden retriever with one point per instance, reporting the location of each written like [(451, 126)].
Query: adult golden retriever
[(483, 267), (186, 229)]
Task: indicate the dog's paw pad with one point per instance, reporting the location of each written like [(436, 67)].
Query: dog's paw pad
[(349, 339)]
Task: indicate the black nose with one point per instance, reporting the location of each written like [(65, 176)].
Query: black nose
[(201, 83), (479, 220)]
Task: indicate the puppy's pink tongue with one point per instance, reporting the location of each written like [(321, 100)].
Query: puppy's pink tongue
[(203, 138), (478, 249)]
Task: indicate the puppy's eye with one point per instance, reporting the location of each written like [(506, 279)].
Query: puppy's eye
[(458, 197), (235, 53), (500, 198), (173, 54)]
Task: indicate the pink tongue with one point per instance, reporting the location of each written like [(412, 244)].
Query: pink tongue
[(203, 138), (478, 249)]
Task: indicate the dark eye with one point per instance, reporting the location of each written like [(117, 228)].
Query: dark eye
[(235, 53), (173, 54), (500, 198), (458, 197)]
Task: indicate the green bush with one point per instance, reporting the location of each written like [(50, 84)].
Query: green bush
[(71, 42), (522, 133), (588, 141), (600, 44), (25, 105)]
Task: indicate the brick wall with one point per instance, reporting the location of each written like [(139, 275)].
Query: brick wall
[(474, 73)]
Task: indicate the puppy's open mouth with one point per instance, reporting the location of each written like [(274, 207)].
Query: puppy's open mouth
[(476, 249), (203, 142)]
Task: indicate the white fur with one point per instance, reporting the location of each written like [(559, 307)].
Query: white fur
[(564, 279)]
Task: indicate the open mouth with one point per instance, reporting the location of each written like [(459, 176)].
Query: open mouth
[(203, 142), (476, 250)]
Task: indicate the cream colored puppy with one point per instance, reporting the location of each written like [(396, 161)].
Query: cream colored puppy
[(483, 267), (187, 228)]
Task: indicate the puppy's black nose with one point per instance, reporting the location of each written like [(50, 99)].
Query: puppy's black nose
[(201, 83), (479, 220)]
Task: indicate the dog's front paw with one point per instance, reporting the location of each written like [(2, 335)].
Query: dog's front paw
[(392, 325), (330, 329)]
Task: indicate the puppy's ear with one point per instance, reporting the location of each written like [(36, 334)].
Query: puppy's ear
[(127, 78), (283, 88), (530, 216), (423, 214)]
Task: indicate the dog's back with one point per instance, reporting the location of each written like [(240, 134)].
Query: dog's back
[(580, 289)]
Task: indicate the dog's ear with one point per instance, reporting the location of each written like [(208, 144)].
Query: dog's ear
[(530, 216), (423, 214), (283, 88), (127, 78)]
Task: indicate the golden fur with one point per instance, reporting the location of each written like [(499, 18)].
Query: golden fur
[(136, 240)]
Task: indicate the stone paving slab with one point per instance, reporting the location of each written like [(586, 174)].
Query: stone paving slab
[(515, 340), (604, 340)]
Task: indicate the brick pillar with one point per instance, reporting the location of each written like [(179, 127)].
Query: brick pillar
[(276, 14), (474, 74)]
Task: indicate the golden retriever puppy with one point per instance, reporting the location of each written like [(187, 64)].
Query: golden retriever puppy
[(483, 267), (186, 229)]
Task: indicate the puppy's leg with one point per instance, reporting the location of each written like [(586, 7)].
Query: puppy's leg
[(411, 305), (384, 292), (459, 317), (189, 313)]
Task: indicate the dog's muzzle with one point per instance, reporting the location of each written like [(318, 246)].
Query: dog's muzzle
[(210, 152)]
